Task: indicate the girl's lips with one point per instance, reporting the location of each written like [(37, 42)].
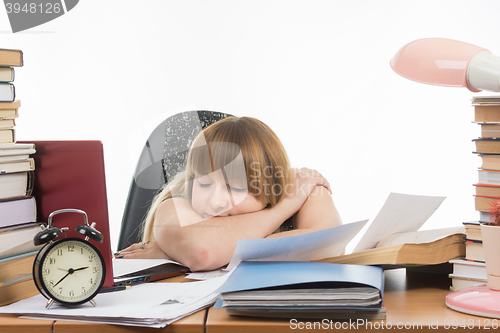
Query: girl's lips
[(209, 216)]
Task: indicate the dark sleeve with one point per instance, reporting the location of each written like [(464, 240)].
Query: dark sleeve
[(286, 226)]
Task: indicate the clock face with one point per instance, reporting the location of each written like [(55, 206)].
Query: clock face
[(70, 271)]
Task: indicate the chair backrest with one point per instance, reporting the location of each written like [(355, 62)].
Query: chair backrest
[(163, 156)]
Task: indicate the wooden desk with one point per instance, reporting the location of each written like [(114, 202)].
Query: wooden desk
[(10, 323), (414, 301)]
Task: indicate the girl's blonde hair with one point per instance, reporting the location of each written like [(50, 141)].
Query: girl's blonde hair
[(264, 162)]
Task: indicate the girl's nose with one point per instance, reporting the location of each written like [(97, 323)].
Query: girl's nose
[(220, 201)]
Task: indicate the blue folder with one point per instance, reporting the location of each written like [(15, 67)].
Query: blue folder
[(252, 275)]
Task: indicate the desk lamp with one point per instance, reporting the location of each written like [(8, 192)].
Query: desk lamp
[(451, 63), (448, 62)]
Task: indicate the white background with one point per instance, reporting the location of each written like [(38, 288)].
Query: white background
[(316, 71)]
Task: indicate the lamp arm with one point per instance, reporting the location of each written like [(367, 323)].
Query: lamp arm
[(484, 72)]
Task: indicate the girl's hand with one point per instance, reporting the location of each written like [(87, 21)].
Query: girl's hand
[(303, 182), (143, 250)]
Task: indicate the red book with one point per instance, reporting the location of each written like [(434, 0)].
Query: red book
[(70, 174)]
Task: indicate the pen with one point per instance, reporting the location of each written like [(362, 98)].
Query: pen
[(111, 289)]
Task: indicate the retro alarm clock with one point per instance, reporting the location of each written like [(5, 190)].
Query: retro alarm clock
[(69, 271)]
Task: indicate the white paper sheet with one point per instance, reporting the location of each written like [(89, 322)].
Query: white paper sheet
[(306, 247), (149, 304), (400, 213), (207, 275)]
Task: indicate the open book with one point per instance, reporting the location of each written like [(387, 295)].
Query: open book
[(427, 247), (394, 238), (385, 242)]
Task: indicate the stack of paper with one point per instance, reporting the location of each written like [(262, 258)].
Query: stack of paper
[(332, 297), (150, 305)]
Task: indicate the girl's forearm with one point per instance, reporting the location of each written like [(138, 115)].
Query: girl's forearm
[(210, 243)]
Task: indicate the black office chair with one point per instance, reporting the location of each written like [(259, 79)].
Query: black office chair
[(163, 156)]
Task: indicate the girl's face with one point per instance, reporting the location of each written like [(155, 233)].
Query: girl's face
[(213, 197)]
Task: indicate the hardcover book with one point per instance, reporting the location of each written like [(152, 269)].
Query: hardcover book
[(17, 166), (491, 162), (7, 135), (19, 239), (470, 269), (473, 230), (7, 92), (10, 57), (474, 250), (17, 211), (484, 203), (7, 123), (487, 145), (487, 113), (6, 74)]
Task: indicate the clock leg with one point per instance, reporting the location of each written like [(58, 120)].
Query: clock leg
[(49, 303), (93, 303)]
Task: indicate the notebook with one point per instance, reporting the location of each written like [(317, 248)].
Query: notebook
[(71, 174), (303, 290)]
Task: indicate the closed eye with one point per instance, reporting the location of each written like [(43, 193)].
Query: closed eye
[(238, 189)]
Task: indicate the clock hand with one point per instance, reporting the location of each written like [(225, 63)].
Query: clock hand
[(65, 276), (70, 271), (80, 269)]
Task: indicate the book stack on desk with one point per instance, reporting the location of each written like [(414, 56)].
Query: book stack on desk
[(487, 146), (473, 242), (303, 290), (8, 108), (467, 274), (470, 270), (16, 165), (18, 223)]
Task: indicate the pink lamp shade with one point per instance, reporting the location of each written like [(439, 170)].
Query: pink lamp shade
[(448, 62)]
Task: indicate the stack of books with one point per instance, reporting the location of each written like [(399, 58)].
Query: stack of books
[(304, 290), (487, 146), (471, 270), (473, 242), (18, 223), (8, 60), (16, 166)]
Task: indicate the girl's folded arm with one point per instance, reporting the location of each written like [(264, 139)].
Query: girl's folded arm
[(318, 212), (205, 244)]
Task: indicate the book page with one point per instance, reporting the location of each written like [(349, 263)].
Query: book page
[(400, 213), (418, 237)]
